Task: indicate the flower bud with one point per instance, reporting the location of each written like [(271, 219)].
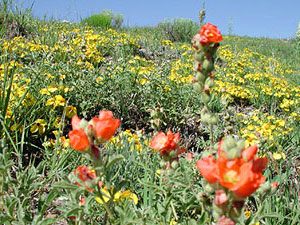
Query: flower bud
[(205, 117), (209, 189), (233, 148), (162, 164), (209, 82), (83, 124), (174, 164), (213, 120), (205, 98), (198, 87), (207, 66), (264, 188), (199, 56), (200, 77)]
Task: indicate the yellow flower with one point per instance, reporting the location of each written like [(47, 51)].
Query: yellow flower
[(279, 155), (247, 213), (250, 127), (38, 126), (173, 222), (122, 195), (105, 194), (56, 122), (71, 111), (58, 100), (119, 196), (44, 91)]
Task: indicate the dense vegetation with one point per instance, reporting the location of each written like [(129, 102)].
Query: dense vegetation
[(51, 71)]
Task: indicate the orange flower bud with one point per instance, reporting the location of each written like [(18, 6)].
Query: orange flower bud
[(85, 175)]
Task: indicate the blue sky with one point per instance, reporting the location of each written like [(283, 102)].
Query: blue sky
[(254, 18)]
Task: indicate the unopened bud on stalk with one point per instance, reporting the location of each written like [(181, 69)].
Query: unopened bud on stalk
[(198, 87), (83, 124), (209, 82), (199, 56), (200, 77), (205, 117), (213, 120), (209, 189), (207, 66), (174, 164), (205, 98), (233, 148), (264, 188)]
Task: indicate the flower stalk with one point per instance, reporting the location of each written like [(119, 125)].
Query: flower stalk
[(206, 44)]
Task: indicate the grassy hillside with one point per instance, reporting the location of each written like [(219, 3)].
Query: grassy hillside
[(57, 70)]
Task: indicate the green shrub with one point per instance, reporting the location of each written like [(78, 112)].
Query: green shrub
[(105, 19), (180, 29), (98, 20)]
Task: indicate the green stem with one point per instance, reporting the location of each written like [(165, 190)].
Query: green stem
[(174, 211), (107, 209), (211, 138), (261, 207), (1, 194)]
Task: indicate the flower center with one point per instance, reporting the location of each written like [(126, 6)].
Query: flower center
[(231, 176)]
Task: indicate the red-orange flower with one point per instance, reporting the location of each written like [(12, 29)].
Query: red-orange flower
[(78, 138), (210, 34), (85, 175), (105, 125), (208, 169), (241, 175), (166, 143)]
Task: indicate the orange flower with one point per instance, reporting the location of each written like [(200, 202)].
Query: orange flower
[(208, 169), (210, 34), (105, 125), (241, 175), (85, 175), (166, 143), (79, 140)]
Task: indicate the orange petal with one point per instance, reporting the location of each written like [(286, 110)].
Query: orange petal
[(79, 140), (75, 122), (208, 169), (249, 153)]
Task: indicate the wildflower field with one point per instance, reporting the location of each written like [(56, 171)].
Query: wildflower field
[(104, 126)]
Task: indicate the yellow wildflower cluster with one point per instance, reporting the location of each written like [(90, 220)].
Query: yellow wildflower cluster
[(241, 76), (260, 127), (182, 71), (132, 138), (118, 196)]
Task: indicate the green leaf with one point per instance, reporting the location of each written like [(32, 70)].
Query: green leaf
[(49, 221), (73, 212), (64, 185), (160, 208), (114, 160), (11, 207), (5, 220)]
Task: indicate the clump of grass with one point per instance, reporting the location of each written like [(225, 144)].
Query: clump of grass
[(105, 19), (98, 20), (15, 21), (180, 29)]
